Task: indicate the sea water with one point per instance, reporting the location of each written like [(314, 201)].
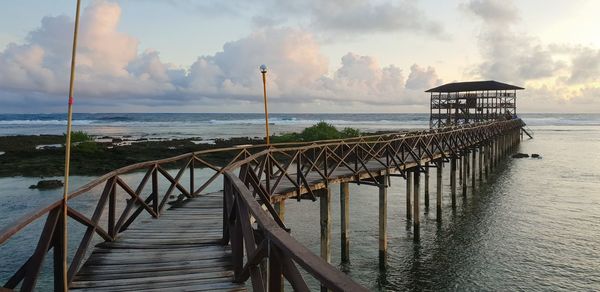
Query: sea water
[(533, 225)]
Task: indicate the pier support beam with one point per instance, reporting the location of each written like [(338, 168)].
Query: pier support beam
[(426, 187), (487, 159), (383, 220), (416, 213), (473, 166), (453, 181), (465, 176), (480, 163), (345, 220), (325, 204), (280, 209), (408, 194), (438, 185), (460, 170)]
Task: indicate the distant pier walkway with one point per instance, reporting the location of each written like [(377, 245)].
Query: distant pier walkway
[(237, 237)]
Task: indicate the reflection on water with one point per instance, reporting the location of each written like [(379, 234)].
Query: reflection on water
[(533, 226)]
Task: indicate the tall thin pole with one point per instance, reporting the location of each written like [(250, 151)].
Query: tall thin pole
[(263, 70), (68, 149)]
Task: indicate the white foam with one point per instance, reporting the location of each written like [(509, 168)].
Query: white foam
[(46, 122)]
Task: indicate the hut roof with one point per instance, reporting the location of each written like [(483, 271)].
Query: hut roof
[(474, 86)]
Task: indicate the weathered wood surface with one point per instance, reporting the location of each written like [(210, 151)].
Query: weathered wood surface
[(181, 251)]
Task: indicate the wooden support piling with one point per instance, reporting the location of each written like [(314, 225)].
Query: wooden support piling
[(473, 167), (426, 187), (382, 220), (465, 176), (409, 177), (345, 220), (325, 208), (480, 163), (460, 170), (453, 180), (416, 213), (438, 201)]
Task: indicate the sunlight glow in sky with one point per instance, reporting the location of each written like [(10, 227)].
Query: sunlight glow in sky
[(324, 56)]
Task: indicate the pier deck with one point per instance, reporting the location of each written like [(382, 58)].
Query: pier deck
[(181, 251)]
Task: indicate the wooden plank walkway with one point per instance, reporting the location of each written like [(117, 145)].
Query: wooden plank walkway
[(181, 251)]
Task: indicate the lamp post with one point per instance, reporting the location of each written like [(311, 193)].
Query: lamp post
[(263, 70)]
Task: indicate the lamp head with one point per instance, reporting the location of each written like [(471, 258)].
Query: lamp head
[(263, 68)]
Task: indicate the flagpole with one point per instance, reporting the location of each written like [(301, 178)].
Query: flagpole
[(68, 150)]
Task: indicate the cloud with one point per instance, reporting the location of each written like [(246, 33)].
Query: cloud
[(110, 68), (366, 16), (493, 11), (422, 78), (557, 76), (585, 66), (348, 16)]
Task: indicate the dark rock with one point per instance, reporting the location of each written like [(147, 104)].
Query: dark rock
[(535, 155), (47, 184), (520, 155), (117, 140)]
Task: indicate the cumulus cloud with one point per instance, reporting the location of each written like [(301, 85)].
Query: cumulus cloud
[(507, 54), (557, 74), (110, 67), (586, 66), (422, 78)]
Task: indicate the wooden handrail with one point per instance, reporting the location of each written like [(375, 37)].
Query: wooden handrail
[(327, 275)]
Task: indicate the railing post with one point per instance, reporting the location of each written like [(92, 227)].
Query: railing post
[(192, 178), (112, 204), (275, 270), (58, 244), (155, 201)]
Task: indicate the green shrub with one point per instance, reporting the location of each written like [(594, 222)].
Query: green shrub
[(88, 148), (79, 136), (320, 131), (350, 133), (317, 132)]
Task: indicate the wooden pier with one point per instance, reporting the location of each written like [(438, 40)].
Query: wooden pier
[(237, 238)]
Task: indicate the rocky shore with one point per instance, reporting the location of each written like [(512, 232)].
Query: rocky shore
[(43, 155)]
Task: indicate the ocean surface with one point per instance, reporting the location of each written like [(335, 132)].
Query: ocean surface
[(533, 226)]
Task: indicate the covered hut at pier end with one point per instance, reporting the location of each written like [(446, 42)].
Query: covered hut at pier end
[(475, 101)]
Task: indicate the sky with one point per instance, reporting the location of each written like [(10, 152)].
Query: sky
[(323, 56)]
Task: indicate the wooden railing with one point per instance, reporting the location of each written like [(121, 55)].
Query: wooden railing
[(261, 171)]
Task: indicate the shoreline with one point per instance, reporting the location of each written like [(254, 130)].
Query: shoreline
[(43, 155)]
